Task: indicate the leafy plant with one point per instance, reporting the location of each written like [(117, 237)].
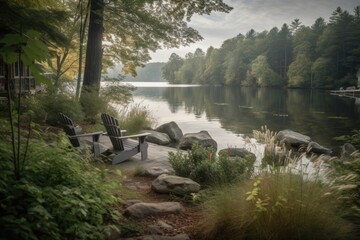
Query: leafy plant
[(59, 195), (46, 107), (203, 166)]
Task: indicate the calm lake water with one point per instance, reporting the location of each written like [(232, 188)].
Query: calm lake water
[(231, 113)]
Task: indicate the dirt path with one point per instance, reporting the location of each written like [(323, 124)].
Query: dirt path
[(139, 188)]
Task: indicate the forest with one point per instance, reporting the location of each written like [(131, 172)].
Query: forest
[(323, 55)]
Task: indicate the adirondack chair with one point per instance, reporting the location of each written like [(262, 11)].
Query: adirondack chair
[(124, 147), (74, 137)]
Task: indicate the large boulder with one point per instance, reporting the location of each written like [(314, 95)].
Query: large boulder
[(174, 184), (156, 171), (201, 138), (158, 138), (140, 210), (293, 139), (238, 152), (347, 149), (172, 130), (318, 149)]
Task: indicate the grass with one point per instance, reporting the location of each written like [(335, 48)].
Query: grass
[(280, 201), (135, 118), (276, 205)]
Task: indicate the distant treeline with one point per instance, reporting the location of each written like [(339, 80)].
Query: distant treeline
[(324, 55), (150, 73)]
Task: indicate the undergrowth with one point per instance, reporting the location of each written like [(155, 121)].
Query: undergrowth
[(60, 195), (205, 167)]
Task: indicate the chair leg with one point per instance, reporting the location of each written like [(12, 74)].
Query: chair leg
[(144, 151), (96, 148)]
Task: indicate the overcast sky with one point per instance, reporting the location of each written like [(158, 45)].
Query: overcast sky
[(254, 14)]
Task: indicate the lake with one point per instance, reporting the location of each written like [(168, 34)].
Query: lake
[(231, 113)]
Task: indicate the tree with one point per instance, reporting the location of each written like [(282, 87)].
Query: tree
[(132, 28), (300, 72), (171, 67)]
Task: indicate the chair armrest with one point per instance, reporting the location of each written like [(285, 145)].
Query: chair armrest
[(86, 134), (134, 136), (122, 131)]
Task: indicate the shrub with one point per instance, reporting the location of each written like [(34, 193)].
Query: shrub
[(59, 196), (135, 118), (46, 107), (203, 166), (276, 205)]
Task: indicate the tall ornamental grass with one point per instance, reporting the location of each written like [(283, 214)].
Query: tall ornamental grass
[(274, 205), (284, 201)]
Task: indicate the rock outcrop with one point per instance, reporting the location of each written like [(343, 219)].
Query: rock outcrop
[(347, 149), (174, 184), (238, 152), (293, 139), (172, 130), (158, 138), (202, 138), (156, 171), (139, 210)]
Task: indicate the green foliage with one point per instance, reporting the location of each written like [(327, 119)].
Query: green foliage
[(135, 118), (93, 105), (276, 205), (139, 171), (321, 56), (46, 107), (345, 173), (354, 139), (59, 196), (203, 166), (32, 50)]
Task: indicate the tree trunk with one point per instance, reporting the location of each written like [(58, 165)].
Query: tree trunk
[(93, 61)]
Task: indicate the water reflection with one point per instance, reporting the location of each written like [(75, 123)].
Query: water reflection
[(240, 110)]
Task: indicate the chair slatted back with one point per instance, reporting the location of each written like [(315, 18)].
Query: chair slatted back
[(69, 129), (113, 130)]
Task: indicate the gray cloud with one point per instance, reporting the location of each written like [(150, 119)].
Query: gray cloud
[(258, 15)]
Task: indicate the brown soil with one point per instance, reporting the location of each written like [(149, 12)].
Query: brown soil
[(140, 187)]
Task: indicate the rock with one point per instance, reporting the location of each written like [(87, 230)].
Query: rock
[(174, 184), (153, 229), (293, 139), (132, 202), (172, 130), (347, 149), (202, 138), (182, 236), (156, 171), (164, 225), (139, 210), (318, 149), (158, 138), (238, 152)]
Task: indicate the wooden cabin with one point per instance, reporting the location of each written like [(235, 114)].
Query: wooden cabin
[(16, 72)]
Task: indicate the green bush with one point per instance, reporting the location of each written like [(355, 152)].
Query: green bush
[(59, 196), (277, 205), (203, 166), (46, 107)]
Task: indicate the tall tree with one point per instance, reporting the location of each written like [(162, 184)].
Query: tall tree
[(94, 50)]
